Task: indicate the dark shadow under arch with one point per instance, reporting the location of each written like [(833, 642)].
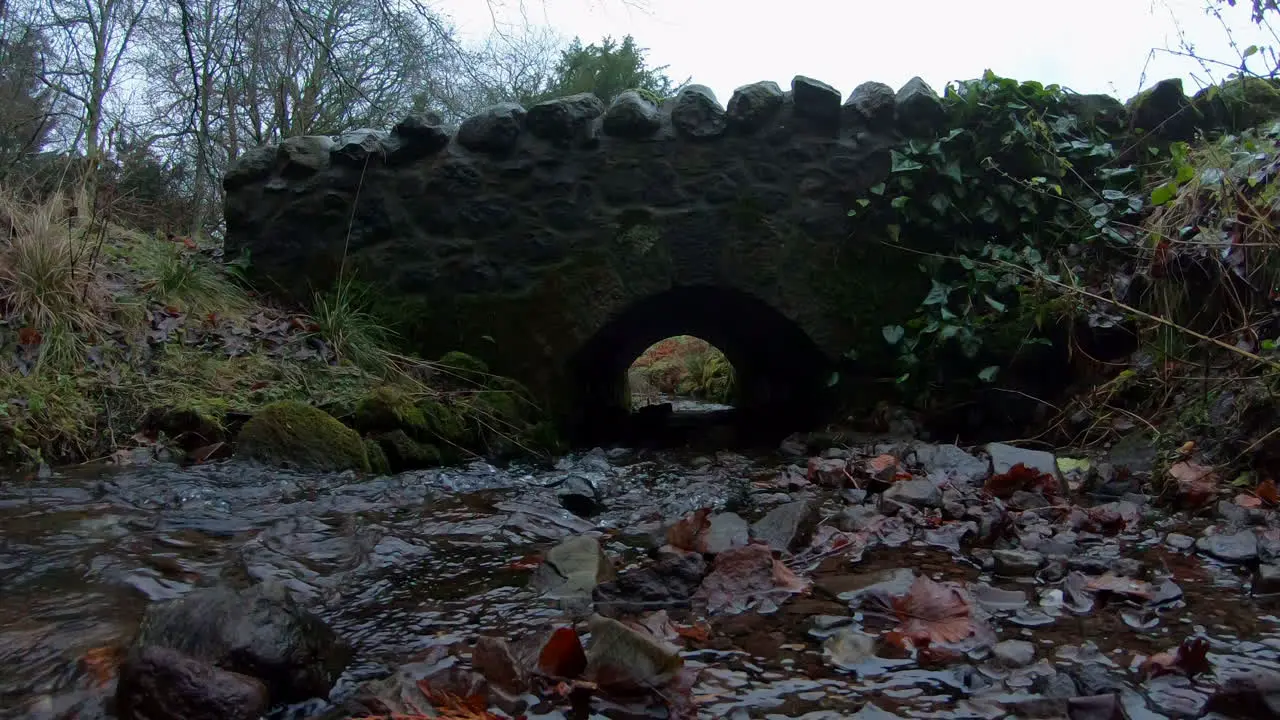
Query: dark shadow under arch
[(781, 374)]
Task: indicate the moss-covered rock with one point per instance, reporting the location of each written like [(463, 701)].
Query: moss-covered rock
[(390, 408), (543, 437), (444, 420), (294, 434), (467, 367), (1165, 111), (1238, 104), (191, 426), (378, 462), (405, 453)]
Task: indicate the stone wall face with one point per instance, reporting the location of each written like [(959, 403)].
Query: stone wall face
[(523, 233)]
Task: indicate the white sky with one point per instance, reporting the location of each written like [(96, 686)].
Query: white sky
[(1086, 45)]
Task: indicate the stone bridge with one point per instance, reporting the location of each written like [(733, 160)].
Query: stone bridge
[(558, 242)]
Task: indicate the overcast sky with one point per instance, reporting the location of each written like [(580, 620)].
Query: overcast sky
[(1086, 45)]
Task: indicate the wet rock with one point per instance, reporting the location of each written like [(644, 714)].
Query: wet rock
[(871, 105), (697, 114), (950, 535), (792, 446), (871, 711), (564, 118), (293, 434), (306, 154), (828, 472), (494, 129), (848, 648), (573, 567), (1024, 500), (1004, 457), (787, 527), (1014, 563), (727, 531), (1177, 541), (857, 588), (858, 518), (580, 494), (951, 464), (354, 148), (1095, 679), (750, 108), (631, 116), (1174, 696), (619, 654), (1237, 547), (1269, 546), (671, 580), (1248, 695), (916, 493), (1266, 580), (994, 599), (257, 632), (1135, 453), (815, 99), (163, 684), (1014, 653), (919, 109)]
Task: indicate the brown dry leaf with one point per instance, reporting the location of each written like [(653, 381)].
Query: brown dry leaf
[(493, 659), (1186, 472), (1118, 585), (883, 467), (743, 577), (1187, 448), (1268, 492), (941, 612), (690, 533), (1190, 659)]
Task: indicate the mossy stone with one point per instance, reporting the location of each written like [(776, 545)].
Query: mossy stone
[(390, 408), (469, 367), (405, 453), (1238, 104), (378, 462), (444, 421), (294, 434)]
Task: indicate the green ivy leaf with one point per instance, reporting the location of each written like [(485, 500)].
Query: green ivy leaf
[(1251, 50), (864, 202), (1099, 209), (948, 332), (895, 232), (902, 163), (1113, 195), (877, 189), (952, 170), (1163, 194), (1269, 345), (988, 373), (899, 202), (995, 304), (937, 294), (893, 333), (835, 378)]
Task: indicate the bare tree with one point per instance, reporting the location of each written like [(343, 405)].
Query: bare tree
[(91, 40)]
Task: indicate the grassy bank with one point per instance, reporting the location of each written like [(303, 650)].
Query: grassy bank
[(114, 339), (681, 365)]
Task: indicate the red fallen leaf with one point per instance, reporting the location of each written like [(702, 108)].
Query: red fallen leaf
[(29, 336), (1190, 659), (1268, 492), (699, 633), (101, 663), (211, 318), (690, 533), (941, 612), (449, 706), (1020, 477), (897, 640), (1118, 585), (191, 245), (562, 655)]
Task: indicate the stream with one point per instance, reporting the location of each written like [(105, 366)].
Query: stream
[(404, 564)]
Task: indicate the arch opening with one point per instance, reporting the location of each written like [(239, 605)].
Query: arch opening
[(688, 372), (779, 373)]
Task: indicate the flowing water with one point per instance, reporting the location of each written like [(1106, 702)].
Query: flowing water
[(398, 565)]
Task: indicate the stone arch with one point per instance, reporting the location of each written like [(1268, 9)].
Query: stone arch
[(524, 235), (781, 373)]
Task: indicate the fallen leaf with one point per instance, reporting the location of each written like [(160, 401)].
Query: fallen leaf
[(29, 336), (1268, 492), (1187, 448), (1118, 585), (1190, 658), (883, 468), (101, 663), (1020, 477), (562, 655), (941, 612), (1248, 501), (748, 578), (1186, 472), (690, 532)]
